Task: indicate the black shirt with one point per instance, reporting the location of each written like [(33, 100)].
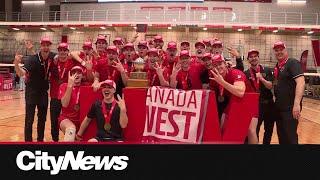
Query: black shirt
[(285, 88), (96, 112), (37, 83), (265, 93)]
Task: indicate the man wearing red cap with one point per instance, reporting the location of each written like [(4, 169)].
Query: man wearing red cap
[(101, 45), (110, 68), (110, 114), (184, 45), (69, 94), (289, 88), (36, 73), (87, 59), (185, 74), (130, 56), (207, 43), (170, 57), (58, 75), (200, 50), (229, 82), (259, 79), (217, 48), (143, 50), (157, 73)]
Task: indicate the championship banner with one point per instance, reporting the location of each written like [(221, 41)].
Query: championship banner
[(175, 115), (304, 60)]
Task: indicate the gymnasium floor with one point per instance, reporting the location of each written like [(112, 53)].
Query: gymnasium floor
[(12, 120)]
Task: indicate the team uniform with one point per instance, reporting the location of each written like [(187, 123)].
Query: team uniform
[(266, 103), (72, 112)]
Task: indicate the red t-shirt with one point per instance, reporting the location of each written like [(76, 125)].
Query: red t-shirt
[(59, 75), (190, 79), (71, 112), (169, 65), (106, 71), (153, 77)]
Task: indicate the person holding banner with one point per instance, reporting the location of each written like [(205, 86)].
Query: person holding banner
[(158, 74), (260, 79), (69, 94), (58, 75), (110, 114), (289, 88), (36, 71), (186, 74), (229, 82)]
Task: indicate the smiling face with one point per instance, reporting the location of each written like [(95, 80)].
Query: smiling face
[(101, 45), (129, 53), (63, 53), (78, 77), (45, 48), (217, 49), (221, 67), (200, 50), (108, 92), (112, 56), (253, 59), (185, 62), (142, 50), (281, 53), (208, 63)]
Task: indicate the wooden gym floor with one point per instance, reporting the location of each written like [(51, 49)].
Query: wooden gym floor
[(12, 120)]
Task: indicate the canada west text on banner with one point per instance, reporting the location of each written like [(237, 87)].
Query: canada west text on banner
[(175, 115)]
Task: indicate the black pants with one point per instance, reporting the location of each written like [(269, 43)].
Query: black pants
[(287, 128), (42, 106), (267, 116), (55, 109)]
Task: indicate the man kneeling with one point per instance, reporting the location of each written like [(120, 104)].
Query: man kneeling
[(110, 114)]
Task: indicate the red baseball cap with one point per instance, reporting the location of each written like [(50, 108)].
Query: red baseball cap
[(207, 55), (217, 42), (158, 37), (101, 38), (118, 39), (184, 42), (87, 44), (63, 45), (206, 42), (112, 48), (253, 51), (153, 51), (45, 39), (217, 58), (128, 45), (184, 53), (143, 43), (279, 44), (199, 43), (76, 68), (109, 83), (172, 45)]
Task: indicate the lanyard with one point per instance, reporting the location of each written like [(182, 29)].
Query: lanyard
[(278, 67), (255, 81), (45, 68), (185, 82), (63, 71), (107, 114)]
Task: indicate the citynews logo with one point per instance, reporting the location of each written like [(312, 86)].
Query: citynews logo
[(42, 161)]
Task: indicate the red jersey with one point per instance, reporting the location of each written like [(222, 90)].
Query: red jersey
[(190, 79), (153, 77), (106, 71), (71, 112), (59, 75), (169, 65)]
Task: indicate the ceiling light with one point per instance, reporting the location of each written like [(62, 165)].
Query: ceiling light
[(16, 29), (205, 28), (275, 31), (169, 27), (102, 27), (43, 29), (135, 27), (73, 28), (33, 2), (310, 32), (239, 30)]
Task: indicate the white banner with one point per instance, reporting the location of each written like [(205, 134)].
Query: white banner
[(173, 114)]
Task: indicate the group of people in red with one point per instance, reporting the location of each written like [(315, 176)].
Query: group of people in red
[(108, 67)]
